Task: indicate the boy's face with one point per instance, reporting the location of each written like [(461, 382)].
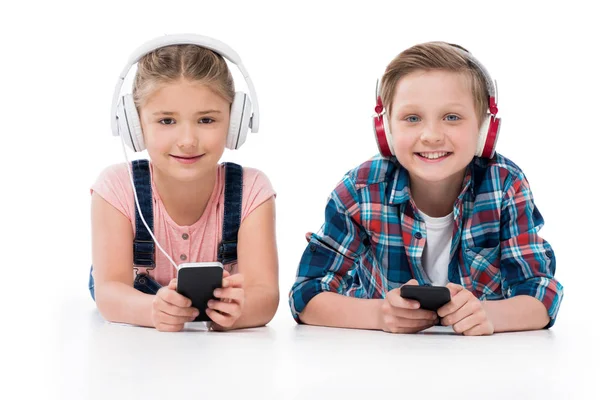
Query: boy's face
[(434, 124), (185, 128)]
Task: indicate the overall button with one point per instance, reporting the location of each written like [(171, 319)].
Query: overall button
[(185, 236), (418, 236), (183, 257)]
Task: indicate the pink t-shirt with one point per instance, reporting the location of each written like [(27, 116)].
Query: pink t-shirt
[(194, 243)]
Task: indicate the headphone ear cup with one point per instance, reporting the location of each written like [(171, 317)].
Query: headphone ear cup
[(483, 130), (383, 135), (488, 136), (123, 128), (239, 120), (130, 128), (381, 129), (388, 134)]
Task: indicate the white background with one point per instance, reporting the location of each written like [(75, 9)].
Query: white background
[(314, 66)]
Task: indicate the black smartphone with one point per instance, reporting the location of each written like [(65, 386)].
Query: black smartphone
[(430, 297), (197, 282)]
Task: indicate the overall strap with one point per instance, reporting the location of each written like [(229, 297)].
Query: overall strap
[(143, 245), (232, 214)]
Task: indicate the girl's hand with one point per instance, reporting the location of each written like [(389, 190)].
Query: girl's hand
[(228, 308), (171, 310)]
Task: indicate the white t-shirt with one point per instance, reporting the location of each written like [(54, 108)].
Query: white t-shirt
[(436, 255)]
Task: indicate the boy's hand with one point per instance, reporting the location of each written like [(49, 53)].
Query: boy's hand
[(228, 309), (171, 310), (400, 315), (465, 313)]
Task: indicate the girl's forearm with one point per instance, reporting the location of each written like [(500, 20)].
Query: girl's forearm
[(118, 302), (260, 305)]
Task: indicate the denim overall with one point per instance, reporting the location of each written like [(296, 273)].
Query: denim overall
[(143, 245)]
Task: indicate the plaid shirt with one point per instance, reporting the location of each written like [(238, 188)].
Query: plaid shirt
[(373, 238)]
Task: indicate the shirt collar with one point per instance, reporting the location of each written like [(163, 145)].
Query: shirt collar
[(467, 185), (401, 184)]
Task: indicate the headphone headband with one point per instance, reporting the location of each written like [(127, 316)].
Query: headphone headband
[(489, 83), (199, 40)]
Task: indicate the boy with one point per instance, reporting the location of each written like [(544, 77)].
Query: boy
[(438, 207)]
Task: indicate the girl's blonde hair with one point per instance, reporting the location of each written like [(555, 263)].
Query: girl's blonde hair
[(172, 63), (434, 56)]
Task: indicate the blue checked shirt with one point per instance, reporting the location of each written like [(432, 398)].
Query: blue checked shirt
[(373, 238)]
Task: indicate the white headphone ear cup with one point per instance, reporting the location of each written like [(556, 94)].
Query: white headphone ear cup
[(133, 120), (122, 126), (239, 120), (483, 133)]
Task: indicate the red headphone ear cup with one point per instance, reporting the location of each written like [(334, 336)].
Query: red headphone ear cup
[(381, 130), (488, 136), (489, 148), (380, 126)]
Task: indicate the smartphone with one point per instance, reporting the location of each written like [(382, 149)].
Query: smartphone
[(197, 282), (430, 297)]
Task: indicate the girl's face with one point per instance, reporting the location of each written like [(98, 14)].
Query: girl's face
[(434, 125), (185, 128)]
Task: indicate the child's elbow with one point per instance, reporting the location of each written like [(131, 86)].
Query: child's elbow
[(268, 308), (271, 306), (104, 308), (108, 308)]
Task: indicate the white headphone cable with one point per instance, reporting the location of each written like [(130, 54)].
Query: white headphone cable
[(137, 203)]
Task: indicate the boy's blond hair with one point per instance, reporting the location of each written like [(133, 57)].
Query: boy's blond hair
[(172, 63), (435, 56)]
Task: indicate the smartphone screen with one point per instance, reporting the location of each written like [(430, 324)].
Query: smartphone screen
[(197, 282)]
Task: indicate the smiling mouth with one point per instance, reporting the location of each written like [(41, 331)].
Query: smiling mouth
[(186, 157), (434, 155)]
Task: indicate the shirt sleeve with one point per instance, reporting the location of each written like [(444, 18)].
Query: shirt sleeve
[(114, 186), (257, 189), (527, 262), (332, 255)]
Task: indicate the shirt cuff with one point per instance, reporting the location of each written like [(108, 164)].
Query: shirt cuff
[(547, 290)]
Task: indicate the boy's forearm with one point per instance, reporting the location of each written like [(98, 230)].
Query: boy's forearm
[(519, 313), (336, 310), (118, 302), (259, 308)]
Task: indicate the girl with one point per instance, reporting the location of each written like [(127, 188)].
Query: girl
[(184, 111)]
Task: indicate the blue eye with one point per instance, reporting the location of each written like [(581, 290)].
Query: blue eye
[(206, 120), (412, 118), (452, 117), (167, 121)]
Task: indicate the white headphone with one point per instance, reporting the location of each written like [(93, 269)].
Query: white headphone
[(125, 120)]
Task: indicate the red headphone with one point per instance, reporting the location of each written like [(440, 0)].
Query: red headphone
[(488, 133)]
